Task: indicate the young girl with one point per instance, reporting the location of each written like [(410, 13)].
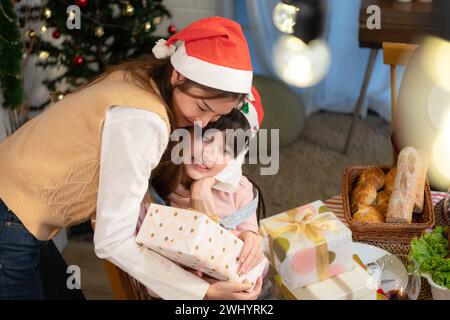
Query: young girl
[(214, 152), (72, 161)]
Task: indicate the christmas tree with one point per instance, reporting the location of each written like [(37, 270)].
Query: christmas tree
[(10, 56), (97, 33)]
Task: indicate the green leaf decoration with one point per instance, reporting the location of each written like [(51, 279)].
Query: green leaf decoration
[(331, 257), (245, 108), (281, 246), (323, 209)]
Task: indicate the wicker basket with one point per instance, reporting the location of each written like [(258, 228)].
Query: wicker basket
[(384, 231)]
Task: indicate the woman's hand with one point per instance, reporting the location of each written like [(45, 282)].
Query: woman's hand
[(252, 252), (227, 290)]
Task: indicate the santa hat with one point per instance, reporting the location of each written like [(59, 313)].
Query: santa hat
[(253, 111), (212, 52)]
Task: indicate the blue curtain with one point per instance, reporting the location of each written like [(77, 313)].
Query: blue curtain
[(339, 90)]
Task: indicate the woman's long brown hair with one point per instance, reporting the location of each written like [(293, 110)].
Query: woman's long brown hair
[(142, 72)]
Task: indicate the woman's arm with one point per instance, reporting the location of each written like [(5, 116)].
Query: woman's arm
[(132, 144)]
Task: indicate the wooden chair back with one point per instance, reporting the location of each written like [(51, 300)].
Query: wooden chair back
[(395, 54)]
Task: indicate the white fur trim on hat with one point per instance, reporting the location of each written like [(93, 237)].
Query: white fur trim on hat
[(161, 51), (211, 75)]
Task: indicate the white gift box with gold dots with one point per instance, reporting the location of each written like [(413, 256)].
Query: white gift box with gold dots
[(192, 239)]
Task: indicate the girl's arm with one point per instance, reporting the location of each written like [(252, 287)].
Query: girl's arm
[(253, 252), (202, 197), (132, 144)]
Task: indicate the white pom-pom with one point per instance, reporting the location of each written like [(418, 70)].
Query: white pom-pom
[(161, 51)]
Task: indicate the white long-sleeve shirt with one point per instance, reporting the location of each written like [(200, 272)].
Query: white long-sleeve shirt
[(133, 142)]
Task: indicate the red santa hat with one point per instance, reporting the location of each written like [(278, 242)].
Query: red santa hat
[(212, 52)]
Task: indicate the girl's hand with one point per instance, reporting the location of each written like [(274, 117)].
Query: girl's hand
[(252, 252), (201, 195), (227, 290)]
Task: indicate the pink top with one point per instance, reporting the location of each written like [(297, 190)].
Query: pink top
[(226, 204)]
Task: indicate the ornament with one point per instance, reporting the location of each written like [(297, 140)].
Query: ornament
[(30, 33), (99, 31), (43, 29), (47, 13), (78, 60), (129, 10), (244, 109), (147, 26), (56, 34), (172, 29), (81, 3), (43, 55), (157, 20), (56, 96)]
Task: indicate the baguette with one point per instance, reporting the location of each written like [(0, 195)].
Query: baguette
[(418, 203), (401, 204)]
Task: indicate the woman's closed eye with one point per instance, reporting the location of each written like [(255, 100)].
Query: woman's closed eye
[(201, 108)]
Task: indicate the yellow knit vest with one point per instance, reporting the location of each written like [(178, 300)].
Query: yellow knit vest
[(49, 168)]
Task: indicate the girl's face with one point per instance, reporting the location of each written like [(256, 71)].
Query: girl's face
[(208, 156), (188, 109)]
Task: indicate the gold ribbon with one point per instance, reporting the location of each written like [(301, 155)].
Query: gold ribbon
[(309, 225)]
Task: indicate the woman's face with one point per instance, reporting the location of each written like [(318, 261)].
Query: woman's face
[(187, 109), (208, 156)]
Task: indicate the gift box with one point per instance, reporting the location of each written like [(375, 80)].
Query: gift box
[(307, 244), (192, 239), (356, 284)]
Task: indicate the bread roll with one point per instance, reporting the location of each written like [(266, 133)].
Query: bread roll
[(382, 202), (406, 181), (374, 176), (390, 177), (368, 215), (363, 195)]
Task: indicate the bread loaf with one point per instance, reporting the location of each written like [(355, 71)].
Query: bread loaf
[(390, 177), (363, 195), (382, 202), (374, 176), (401, 204), (418, 203), (368, 215)]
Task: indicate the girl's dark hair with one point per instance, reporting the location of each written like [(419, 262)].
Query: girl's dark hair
[(261, 211), (167, 176)]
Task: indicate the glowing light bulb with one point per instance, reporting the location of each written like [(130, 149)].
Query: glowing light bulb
[(300, 64), (441, 151), (284, 16)]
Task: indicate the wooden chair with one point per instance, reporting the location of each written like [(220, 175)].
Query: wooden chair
[(395, 54), (122, 285)]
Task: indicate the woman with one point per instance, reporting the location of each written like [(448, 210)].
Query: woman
[(93, 152)]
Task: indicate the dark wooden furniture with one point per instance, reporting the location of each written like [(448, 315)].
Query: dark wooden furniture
[(400, 22)]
